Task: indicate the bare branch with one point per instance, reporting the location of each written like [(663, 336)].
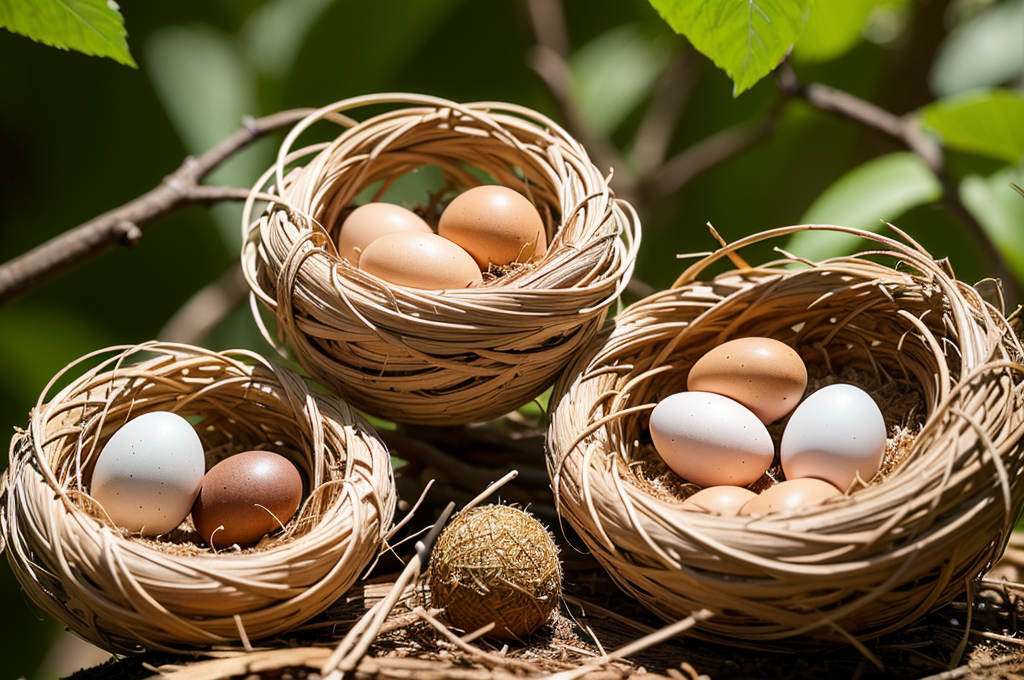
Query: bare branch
[(123, 226), (906, 130)]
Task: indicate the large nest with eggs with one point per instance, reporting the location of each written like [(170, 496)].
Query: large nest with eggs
[(941, 361), (126, 592), (449, 356)]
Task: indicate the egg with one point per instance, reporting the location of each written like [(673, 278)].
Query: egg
[(793, 494), (495, 225), (246, 496), (835, 434), (711, 440), (765, 375), (369, 222), (417, 260), (721, 500), (149, 472)]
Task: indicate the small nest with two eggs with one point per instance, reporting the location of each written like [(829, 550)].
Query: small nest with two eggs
[(941, 362), (125, 592)]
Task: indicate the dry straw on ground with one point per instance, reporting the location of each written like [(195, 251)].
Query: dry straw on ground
[(856, 568), (125, 592), (436, 357), (499, 564)]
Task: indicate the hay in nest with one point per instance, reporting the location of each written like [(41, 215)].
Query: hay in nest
[(497, 564), (937, 515), (125, 592), (436, 357)]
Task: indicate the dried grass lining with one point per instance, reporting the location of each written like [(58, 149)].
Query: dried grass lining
[(865, 565), (124, 592), (437, 357)]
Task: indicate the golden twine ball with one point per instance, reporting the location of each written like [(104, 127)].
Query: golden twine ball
[(496, 563)]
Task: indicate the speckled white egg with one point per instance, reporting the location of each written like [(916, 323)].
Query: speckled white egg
[(835, 434), (711, 440), (149, 472)]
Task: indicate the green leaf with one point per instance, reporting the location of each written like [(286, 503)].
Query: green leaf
[(274, 33), (988, 123), (996, 205), (881, 189), (985, 51), (833, 29), (93, 27), (745, 38), (614, 72)]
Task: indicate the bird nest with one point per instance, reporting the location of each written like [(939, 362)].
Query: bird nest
[(943, 364), (125, 592), (436, 357)]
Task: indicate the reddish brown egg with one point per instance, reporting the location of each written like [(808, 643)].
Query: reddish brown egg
[(425, 261), (245, 497), (495, 225), (765, 375), (369, 222)]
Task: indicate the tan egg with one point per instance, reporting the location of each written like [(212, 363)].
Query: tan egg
[(367, 223), (793, 494), (495, 225), (417, 260), (245, 497), (765, 375), (720, 500)]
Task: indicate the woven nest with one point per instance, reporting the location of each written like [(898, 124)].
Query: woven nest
[(436, 357), (942, 363), (496, 564), (124, 592)]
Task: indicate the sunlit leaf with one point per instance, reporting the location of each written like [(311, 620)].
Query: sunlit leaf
[(274, 34), (1000, 209), (988, 123), (614, 72), (833, 29), (881, 189), (745, 38), (93, 27), (984, 52)]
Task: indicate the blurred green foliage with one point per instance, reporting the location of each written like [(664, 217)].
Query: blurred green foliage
[(79, 136)]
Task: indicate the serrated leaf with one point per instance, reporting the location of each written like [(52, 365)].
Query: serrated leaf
[(833, 29), (988, 123), (614, 72), (93, 27), (745, 38), (984, 52), (881, 189)]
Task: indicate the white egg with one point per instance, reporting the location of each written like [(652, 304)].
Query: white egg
[(149, 472), (835, 434), (711, 440)]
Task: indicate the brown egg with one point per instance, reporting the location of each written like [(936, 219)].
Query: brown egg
[(765, 375), (792, 494), (427, 261), (367, 223), (721, 500), (245, 497), (495, 225)]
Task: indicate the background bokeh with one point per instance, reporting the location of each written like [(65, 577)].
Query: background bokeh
[(81, 135)]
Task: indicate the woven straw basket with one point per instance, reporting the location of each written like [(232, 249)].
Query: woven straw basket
[(944, 367), (125, 592), (436, 357)]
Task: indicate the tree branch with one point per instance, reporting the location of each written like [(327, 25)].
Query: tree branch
[(905, 129), (123, 226)]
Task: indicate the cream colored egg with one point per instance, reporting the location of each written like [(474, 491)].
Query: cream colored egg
[(496, 225), (710, 440), (719, 500), (417, 260), (368, 222), (793, 494)]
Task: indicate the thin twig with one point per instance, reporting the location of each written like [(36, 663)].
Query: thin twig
[(650, 146), (208, 307), (123, 226), (907, 131)]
